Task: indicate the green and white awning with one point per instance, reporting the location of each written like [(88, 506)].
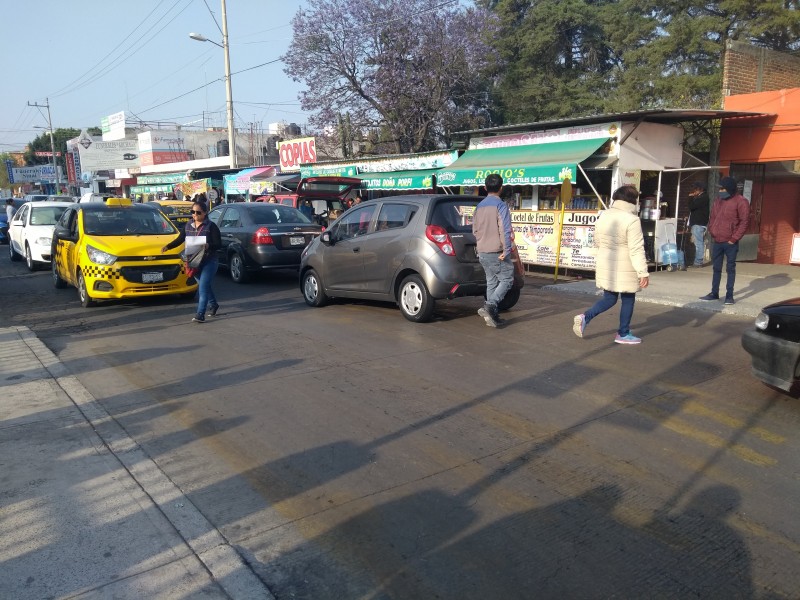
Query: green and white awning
[(398, 180), (538, 164)]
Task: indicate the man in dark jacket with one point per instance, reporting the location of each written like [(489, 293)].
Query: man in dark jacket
[(698, 221), (727, 224)]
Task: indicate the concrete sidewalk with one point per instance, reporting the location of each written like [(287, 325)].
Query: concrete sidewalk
[(84, 513), (756, 286)]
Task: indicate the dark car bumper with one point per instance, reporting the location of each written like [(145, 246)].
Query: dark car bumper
[(270, 257), (775, 361)]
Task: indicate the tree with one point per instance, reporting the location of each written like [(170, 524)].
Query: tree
[(580, 57), (4, 184), (42, 144), (417, 69)]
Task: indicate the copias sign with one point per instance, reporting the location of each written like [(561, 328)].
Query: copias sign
[(293, 153)]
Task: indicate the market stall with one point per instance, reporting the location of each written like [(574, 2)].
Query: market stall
[(594, 156), (239, 183), (275, 184), (398, 181)]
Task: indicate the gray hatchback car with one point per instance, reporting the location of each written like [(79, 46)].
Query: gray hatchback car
[(412, 250)]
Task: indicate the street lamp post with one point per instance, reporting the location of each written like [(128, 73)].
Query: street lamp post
[(226, 51)]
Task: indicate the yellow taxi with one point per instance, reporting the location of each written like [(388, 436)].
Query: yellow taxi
[(177, 211), (112, 249)]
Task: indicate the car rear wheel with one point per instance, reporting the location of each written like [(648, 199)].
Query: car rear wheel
[(512, 297), (313, 292), (238, 271), (83, 292), (29, 258), (57, 281), (414, 300), (11, 254)]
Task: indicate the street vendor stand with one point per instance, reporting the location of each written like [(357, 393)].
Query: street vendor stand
[(596, 157)]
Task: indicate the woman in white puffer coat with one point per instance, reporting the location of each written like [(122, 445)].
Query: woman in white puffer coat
[(621, 266)]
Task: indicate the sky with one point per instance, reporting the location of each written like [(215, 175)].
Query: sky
[(93, 58)]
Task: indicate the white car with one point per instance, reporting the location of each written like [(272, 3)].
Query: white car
[(30, 232)]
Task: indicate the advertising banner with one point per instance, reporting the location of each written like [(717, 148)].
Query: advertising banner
[(71, 177), (335, 171), (161, 179), (113, 127), (293, 153), (161, 148), (106, 156), (536, 236), (562, 134), (39, 173)]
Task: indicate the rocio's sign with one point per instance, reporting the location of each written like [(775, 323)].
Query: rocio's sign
[(293, 153)]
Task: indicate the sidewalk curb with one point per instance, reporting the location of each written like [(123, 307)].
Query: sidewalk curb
[(224, 564)]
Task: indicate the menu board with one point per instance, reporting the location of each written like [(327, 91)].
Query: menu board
[(536, 236)]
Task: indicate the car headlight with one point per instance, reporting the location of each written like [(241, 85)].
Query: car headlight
[(99, 257), (762, 321), (43, 241)]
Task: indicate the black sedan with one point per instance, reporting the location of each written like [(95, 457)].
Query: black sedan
[(774, 345), (259, 236)]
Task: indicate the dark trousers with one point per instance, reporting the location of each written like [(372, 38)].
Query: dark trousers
[(729, 252)]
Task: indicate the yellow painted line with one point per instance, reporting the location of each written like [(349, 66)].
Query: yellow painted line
[(697, 409), (679, 426)]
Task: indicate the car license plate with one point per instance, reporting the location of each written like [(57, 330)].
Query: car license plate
[(152, 277), (297, 241)]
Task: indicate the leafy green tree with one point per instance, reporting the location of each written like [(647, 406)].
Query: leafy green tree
[(4, 184), (42, 144), (579, 57)]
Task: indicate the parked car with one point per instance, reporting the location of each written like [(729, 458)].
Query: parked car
[(31, 232), (325, 194), (258, 236), (62, 198), (774, 345), (16, 203), (110, 250), (177, 211), (411, 250), (92, 197), (36, 197)]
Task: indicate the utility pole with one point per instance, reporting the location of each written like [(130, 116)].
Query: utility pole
[(52, 142)]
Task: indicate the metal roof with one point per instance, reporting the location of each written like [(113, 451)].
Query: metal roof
[(662, 115)]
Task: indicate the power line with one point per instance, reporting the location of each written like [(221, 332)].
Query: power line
[(208, 84), (125, 39), (132, 51)]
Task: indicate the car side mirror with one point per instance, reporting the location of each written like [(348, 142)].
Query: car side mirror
[(325, 238)]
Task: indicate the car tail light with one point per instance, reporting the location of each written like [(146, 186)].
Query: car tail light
[(440, 237), (262, 236)]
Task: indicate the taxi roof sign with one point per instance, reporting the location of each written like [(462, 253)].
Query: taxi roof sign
[(118, 202)]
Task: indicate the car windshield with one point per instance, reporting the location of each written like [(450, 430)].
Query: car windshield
[(126, 221), (455, 215), (269, 214), (46, 215)]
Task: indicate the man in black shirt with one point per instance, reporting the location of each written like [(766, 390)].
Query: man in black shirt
[(698, 220)]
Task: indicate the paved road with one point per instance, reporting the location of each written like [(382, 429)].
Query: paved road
[(347, 453)]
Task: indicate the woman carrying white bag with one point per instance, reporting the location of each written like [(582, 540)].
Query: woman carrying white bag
[(202, 239)]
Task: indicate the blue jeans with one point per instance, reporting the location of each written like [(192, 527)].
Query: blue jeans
[(699, 239), (608, 300), (729, 251), (499, 276), (205, 295)]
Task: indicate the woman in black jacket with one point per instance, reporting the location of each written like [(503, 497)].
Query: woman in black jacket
[(201, 225)]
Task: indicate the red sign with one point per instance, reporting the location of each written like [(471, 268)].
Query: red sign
[(71, 170), (293, 153), (43, 153)]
